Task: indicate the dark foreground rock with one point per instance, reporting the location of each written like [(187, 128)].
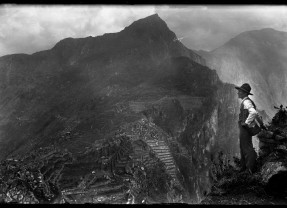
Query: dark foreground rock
[(273, 154), (268, 185)]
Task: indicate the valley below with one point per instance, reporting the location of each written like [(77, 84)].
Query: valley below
[(132, 117)]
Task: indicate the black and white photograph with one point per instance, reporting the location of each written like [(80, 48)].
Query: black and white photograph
[(143, 104)]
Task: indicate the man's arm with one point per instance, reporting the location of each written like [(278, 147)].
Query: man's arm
[(252, 112)]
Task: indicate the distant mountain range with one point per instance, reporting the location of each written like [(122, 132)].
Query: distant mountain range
[(259, 58)]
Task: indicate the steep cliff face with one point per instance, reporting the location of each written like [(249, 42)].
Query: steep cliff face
[(228, 111), (135, 113), (258, 58)]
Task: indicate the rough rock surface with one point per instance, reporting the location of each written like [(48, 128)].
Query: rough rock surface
[(268, 185)]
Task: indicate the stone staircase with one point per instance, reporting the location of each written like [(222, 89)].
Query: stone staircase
[(155, 138), (162, 151), (145, 139)]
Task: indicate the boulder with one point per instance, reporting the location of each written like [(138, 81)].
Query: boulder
[(273, 155)]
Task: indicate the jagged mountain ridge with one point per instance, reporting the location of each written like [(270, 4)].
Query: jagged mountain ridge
[(257, 57), (150, 35), (78, 95), (57, 67)]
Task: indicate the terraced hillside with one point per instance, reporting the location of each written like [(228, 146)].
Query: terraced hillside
[(128, 117)]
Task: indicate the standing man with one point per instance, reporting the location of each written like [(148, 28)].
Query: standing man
[(247, 117)]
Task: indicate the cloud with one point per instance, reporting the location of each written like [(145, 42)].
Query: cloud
[(208, 27), (28, 29)]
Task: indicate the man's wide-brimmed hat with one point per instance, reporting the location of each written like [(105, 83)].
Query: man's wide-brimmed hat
[(245, 87)]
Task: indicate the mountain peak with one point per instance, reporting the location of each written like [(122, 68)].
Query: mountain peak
[(153, 16), (263, 36), (262, 32), (152, 19), (151, 24), (268, 29)]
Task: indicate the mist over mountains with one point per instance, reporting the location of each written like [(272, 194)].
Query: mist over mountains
[(259, 58), (80, 72), (93, 115)]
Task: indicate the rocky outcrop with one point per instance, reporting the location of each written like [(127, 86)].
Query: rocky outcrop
[(228, 110), (267, 185), (273, 154)]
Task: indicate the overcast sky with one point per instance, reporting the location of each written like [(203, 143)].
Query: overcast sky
[(32, 28)]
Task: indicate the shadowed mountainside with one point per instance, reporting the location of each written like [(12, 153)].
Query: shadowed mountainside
[(128, 117)]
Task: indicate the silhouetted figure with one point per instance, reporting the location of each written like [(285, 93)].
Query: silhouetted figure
[(247, 117)]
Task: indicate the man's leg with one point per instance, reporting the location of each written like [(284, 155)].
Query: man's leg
[(248, 150), (242, 159), (250, 156)]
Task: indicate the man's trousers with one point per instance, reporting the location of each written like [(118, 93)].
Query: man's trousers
[(248, 154)]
